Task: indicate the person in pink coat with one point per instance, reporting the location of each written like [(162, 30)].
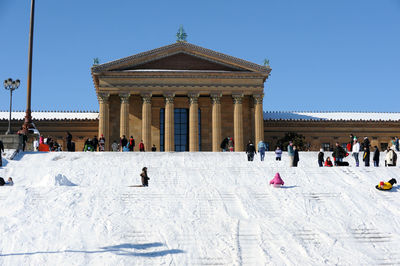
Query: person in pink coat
[(277, 181)]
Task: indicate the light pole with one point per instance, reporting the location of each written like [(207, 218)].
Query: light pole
[(10, 85)]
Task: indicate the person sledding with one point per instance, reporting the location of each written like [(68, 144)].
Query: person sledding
[(386, 185), (277, 181)]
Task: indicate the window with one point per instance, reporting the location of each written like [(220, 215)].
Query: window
[(326, 146)]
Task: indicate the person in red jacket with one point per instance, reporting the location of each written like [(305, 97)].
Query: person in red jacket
[(328, 162), (141, 146)]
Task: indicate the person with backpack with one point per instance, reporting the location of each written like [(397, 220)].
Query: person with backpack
[(144, 177), (321, 157), (261, 149), (250, 151), (131, 144)]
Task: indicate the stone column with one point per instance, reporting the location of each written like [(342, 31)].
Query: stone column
[(193, 122), (216, 121), (146, 121), (238, 122), (104, 118), (258, 118), (169, 122), (124, 120)]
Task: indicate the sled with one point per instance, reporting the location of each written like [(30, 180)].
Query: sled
[(379, 188)]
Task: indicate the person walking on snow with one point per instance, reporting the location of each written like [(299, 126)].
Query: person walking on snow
[(375, 158), (69, 141), (231, 144), (321, 157), (1, 152), (339, 153), (366, 156), (391, 157), (290, 153), (261, 149), (278, 154), (131, 144), (356, 150), (250, 151), (102, 143), (144, 177), (224, 144), (141, 146), (123, 142), (277, 181), (95, 143), (296, 158)]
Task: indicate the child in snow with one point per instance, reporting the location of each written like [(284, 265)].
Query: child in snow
[(321, 157), (278, 153), (145, 178), (386, 185), (328, 162), (277, 181), (9, 182)]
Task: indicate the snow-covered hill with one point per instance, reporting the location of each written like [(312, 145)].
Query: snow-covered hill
[(200, 209)]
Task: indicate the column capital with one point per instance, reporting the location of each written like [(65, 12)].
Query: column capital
[(237, 98), (146, 97), (193, 97), (124, 97), (216, 98), (258, 98), (169, 97), (103, 97)]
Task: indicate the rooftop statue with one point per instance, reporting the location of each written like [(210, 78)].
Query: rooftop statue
[(181, 35)]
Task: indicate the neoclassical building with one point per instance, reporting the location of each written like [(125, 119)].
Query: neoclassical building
[(181, 97)]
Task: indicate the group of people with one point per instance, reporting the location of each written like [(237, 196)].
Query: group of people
[(355, 147), (46, 144), (126, 145), (227, 144)]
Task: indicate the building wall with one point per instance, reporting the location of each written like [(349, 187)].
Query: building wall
[(318, 132)]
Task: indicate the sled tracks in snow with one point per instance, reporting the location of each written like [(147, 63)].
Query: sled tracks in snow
[(248, 243)]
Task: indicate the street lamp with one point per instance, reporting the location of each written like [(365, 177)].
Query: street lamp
[(10, 85)]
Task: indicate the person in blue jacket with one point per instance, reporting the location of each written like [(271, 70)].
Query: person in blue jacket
[(261, 149)]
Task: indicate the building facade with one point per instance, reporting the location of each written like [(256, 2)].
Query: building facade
[(181, 97)]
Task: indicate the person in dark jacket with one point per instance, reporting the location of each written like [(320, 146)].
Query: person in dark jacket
[(95, 143), (296, 158), (145, 178), (224, 144), (1, 152), (351, 141), (366, 156), (69, 141), (339, 153), (321, 157), (102, 143), (123, 142), (154, 148), (376, 156), (366, 143), (250, 151)]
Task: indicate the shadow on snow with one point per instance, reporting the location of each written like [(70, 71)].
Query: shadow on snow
[(121, 250)]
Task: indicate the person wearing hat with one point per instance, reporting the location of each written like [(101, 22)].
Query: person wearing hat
[(145, 178), (386, 185)]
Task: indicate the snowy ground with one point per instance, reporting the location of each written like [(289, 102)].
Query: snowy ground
[(200, 209)]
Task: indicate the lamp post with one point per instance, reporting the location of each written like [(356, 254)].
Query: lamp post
[(10, 85)]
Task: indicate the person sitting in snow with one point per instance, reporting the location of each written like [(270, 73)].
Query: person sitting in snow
[(386, 185), (328, 162), (145, 178), (9, 182), (277, 181)]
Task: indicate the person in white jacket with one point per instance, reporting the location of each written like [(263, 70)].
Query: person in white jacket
[(356, 150)]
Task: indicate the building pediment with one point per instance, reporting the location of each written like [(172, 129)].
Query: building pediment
[(181, 56)]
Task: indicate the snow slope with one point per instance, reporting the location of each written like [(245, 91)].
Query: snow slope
[(200, 209)]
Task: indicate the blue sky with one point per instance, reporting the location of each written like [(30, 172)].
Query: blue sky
[(325, 55)]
